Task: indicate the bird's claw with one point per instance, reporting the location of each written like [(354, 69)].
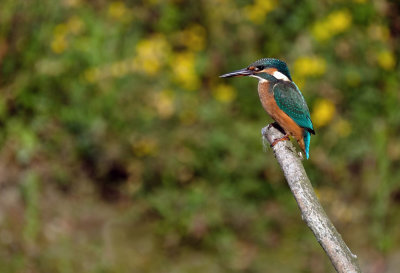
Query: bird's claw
[(285, 137)]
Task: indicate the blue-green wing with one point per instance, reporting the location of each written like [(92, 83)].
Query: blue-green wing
[(289, 98)]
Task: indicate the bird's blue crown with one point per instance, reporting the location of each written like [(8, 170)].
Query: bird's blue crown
[(274, 63)]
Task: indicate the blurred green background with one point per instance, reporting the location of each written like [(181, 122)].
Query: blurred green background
[(122, 150)]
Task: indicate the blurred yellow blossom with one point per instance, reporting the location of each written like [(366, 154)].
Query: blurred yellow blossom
[(342, 128), (117, 9), (323, 112), (74, 25), (164, 103), (151, 54), (224, 93), (339, 21), (91, 75), (59, 44), (320, 31), (117, 69), (193, 37), (335, 23), (60, 30), (386, 60), (309, 66), (257, 12), (144, 147), (183, 68)]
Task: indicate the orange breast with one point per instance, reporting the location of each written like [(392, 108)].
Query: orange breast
[(270, 106)]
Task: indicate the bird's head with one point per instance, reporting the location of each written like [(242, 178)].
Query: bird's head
[(267, 69)]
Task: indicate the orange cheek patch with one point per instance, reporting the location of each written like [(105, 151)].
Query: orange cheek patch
[(270, 70)]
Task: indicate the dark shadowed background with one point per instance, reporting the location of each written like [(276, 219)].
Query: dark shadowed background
[(122, 150)]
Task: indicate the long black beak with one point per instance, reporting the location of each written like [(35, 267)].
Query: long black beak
[(238, 73)]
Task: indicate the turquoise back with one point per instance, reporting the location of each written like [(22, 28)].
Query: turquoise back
[(289, 98)]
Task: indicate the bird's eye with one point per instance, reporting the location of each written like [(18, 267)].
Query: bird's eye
[(259, 68)]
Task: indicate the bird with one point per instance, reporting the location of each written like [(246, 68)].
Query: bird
[(281, 99)]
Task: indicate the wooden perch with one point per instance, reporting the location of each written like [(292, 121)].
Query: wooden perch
[(311, 210)]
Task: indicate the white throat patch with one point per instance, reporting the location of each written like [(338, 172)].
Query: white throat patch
[(280, 76)]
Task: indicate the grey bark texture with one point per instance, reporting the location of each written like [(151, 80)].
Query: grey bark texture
[(311, 210)]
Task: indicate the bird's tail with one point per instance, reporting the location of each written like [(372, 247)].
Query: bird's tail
[(307, 138)]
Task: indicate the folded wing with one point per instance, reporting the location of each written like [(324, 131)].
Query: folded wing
[(290, 100)]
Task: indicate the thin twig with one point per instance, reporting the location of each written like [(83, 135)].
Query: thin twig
[(311, 210)]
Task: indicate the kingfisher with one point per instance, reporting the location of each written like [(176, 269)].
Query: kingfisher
[(281, 99)]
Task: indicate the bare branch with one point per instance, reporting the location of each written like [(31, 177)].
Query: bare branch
[(311, 210)]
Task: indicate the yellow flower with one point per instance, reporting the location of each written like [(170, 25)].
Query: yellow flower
[(320, 31), (183, 68), (335, 23), (339, 21), (164, 104), (74, 25), (117, 69), (323, 112), (309, 66), (91, 75), (257, 12), (386, 60), (193, 37), (59, 44), (224, 93), (60, 30), (151, 54), (117, 9), (255, 15)]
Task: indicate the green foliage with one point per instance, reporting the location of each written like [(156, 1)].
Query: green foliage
[(122, 150)]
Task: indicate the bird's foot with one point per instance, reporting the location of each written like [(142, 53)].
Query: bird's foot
[(285, 137)]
